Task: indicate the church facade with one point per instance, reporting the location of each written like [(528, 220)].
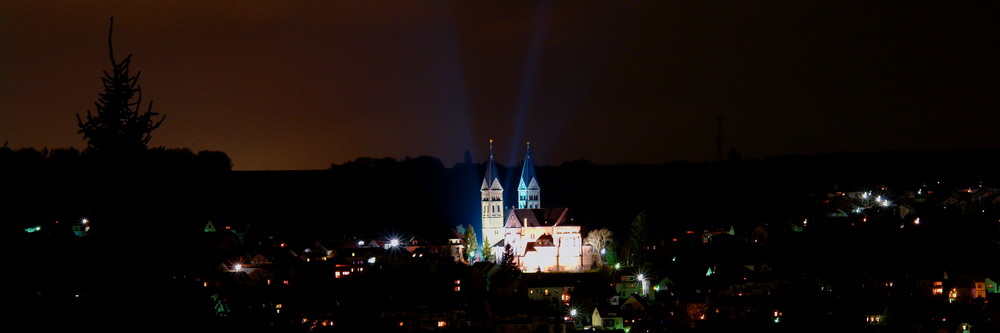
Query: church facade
[(543, 239)]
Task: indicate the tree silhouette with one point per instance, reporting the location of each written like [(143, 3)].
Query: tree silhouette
[(507, 261), (638, 240), (118, 127)]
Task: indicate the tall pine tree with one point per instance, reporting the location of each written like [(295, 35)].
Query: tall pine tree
[(487, 252), (638, 240), (118, 126), (471, 243), (507, 261)]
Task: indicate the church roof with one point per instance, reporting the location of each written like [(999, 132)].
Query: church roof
[(491, 171), (528, 171), (539, 217)]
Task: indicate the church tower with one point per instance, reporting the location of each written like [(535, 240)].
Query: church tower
[(527, 189), (492, 203)]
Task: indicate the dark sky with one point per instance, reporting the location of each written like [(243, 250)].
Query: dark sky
[(303, 84)]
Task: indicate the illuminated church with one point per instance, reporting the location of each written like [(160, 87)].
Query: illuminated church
[(543, 239)]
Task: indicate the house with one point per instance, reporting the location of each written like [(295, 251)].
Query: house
[(961, 288), (456, 248), (551, 294), (631, 284), (906, 210), (985, 193), (759, 235), (634, 308), (948, 201), (606, 317), (255, 269), (552, 291)]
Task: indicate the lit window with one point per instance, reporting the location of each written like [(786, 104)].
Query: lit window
[(441, 323)]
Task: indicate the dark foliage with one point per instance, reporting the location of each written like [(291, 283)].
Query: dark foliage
[(119, 127), (507, 261)]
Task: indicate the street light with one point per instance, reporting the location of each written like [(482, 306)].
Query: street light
[(573, 316)]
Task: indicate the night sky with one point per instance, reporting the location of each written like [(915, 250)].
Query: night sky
[(302, 84)]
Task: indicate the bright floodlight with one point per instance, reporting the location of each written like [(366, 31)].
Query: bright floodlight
[(371, 260), (641, 277), (237, 267), (84, 220), (618, 265), (360, 243), (572, 312), (394, 242)]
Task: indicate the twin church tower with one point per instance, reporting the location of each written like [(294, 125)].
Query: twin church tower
[(492, 196)]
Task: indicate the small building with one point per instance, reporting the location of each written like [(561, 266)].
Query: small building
[(607, 318)]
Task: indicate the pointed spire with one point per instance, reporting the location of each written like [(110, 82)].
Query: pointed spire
[(527, 187), (491, 171), (528, 171)]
